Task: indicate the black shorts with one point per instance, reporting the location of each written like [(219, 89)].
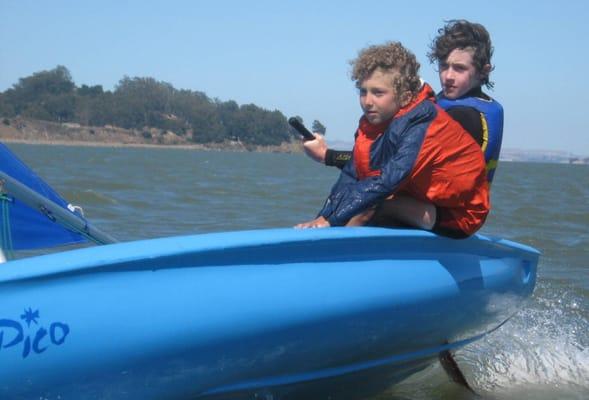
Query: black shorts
[(440, 228)]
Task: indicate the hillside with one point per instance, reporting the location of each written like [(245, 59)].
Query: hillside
[(147, 110), (27, 130)]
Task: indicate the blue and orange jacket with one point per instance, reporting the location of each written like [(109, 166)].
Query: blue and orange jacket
[(424, 153)]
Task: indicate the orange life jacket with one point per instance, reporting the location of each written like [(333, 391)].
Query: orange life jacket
[(424, 153)]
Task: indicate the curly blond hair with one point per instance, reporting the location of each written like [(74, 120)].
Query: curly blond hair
[(388, 57)]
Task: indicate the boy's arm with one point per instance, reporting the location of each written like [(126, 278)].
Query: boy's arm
[(346, 201), (470, 119), (346, 178), (337, 158), (318, 151)]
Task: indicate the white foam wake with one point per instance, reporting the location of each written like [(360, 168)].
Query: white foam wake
[(541, 352)]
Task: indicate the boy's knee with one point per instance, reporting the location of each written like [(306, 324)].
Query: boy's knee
[(407, 211), (362, 218)]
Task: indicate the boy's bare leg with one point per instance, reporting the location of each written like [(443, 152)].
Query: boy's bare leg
[(406, 210), (363, 218), (398, 210)]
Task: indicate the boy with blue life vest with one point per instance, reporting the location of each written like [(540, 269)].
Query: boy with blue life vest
[(406, 147), (462, 51)]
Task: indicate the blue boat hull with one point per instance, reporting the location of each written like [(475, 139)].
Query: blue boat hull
[(279, 313)]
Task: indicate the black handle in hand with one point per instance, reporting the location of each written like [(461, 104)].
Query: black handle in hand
[(300, 128)]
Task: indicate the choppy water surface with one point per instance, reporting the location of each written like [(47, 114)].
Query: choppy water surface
[(541, 353)]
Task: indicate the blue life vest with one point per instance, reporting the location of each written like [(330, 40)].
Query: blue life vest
[(492, 122)]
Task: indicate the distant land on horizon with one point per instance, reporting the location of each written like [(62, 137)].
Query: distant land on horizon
[(553, 156), (38, 131), (508, 154)]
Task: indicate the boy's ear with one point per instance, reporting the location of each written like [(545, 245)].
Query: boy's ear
[(486, 71)]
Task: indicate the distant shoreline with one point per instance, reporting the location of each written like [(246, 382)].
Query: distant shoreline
[(37, 132), (199, 147), (81, 143)]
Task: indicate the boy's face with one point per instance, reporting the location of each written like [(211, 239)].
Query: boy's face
[(378, 99), (458, 74)]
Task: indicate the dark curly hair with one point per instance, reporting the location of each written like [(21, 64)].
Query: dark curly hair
[(388, 56), (462, 34)]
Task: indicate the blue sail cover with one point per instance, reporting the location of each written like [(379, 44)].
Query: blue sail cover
[(27, 228)]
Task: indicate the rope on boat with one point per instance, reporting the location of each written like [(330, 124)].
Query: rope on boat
[(6, 231)]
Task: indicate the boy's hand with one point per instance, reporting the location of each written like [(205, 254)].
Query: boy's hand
[(316, 148), (318, 222)]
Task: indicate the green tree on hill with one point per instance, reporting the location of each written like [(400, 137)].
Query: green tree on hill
[(44, 95), (139, 103)]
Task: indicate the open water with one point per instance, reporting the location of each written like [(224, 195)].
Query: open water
[(541, 353)]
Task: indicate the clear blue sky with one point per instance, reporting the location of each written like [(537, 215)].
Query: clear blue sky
[(293, 55)]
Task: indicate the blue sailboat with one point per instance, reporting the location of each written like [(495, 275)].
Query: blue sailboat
[(273, 314), (35, 216), (32, 228)]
